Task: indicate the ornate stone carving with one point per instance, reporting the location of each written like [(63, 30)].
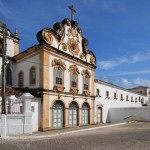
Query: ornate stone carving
[(84, 45), (86, 93), (64, 46), (59, 88), (73, 46), (92, 60), (82, 55), (79, 30), (59, 62), (59, 28), (74, 24), (74, 90), (73, 68), (47, 37), (86, 73), (67, 22)]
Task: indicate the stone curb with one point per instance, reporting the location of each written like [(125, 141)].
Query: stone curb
[(57, 134)]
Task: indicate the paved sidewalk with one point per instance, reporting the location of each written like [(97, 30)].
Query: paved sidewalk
[(64, 131)]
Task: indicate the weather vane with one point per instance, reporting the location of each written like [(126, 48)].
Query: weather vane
[(73, 11)]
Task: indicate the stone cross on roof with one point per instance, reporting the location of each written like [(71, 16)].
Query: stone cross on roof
[(73, 11)]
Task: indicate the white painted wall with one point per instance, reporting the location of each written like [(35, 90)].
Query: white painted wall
[(25, 66), (36, 114), (113, 103)]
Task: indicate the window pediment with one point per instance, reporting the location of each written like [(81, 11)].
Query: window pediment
[(59, 63), (74, 68), (86, 73)]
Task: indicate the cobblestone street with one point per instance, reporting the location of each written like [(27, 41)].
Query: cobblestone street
[(133, 136)]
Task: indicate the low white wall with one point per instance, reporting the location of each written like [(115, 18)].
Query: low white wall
[(119, 114), (15, 123)]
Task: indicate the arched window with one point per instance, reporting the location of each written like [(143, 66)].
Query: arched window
[(21, 79), (86, 83), (32, 75), (74, 80), (59, 68), (59, 76)]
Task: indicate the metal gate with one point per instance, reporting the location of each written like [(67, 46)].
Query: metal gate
[(85, 114), (73, 114), (57, 112)]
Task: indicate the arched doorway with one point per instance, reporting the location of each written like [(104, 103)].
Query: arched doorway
[(85, 114), (58, 114), (73, 114)]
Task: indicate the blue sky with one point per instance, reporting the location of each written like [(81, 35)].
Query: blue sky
[(118, 32)]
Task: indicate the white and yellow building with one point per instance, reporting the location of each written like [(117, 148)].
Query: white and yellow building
[(61, 70)]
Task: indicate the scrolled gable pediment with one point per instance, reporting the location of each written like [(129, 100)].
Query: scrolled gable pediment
[(67, 36)]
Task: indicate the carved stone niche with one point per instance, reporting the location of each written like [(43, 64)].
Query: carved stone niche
[(86, 93), (59, 88), (74, 90), (73, 46)]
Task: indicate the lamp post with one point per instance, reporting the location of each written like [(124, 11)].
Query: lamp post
[(4, 70)]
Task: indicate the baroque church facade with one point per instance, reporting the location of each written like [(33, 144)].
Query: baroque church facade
[(61, 71)]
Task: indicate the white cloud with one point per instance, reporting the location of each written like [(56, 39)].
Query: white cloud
[(125, 82), (107, 64), (144, 82), (141, 72), (4, 10)]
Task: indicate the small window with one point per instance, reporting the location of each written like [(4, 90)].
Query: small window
[(121, 97), (139, 99), (21, 79), (59, 76), (97, 92), (131, 98), (127, 98), (136, 99), (115, 95), (86, 83), (107, 93)]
